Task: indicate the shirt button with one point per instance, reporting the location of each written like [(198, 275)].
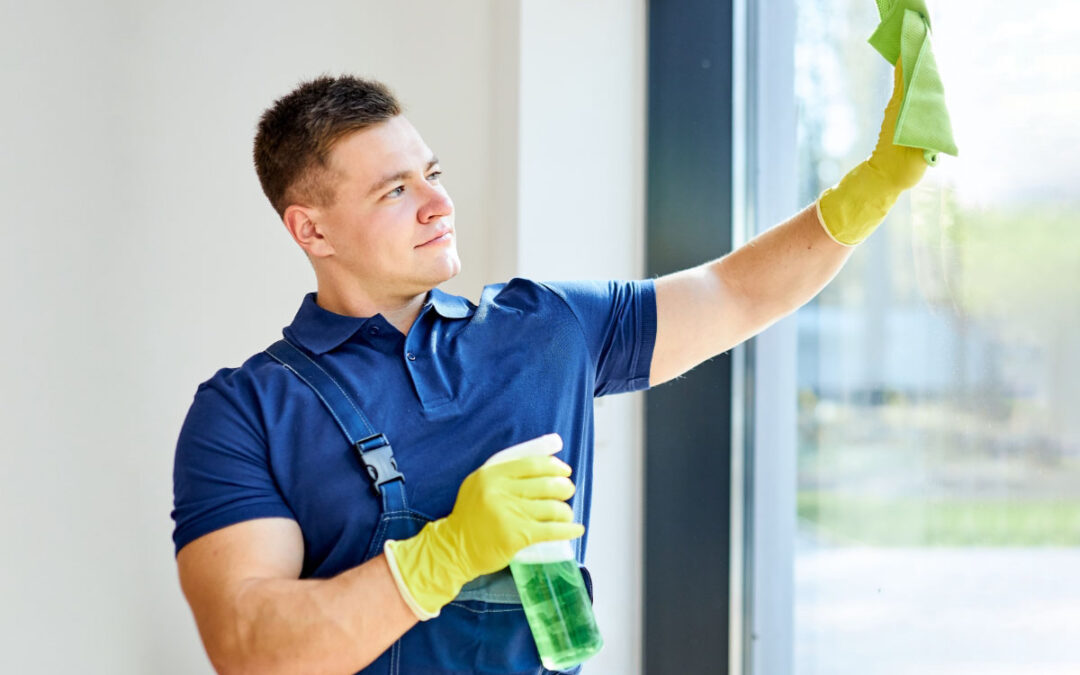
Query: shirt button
[(374, 330), (411, 356)]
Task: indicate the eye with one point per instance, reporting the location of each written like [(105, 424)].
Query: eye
[(396, 192), (434, 176)]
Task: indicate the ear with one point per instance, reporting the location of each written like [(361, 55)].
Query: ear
[(302, 224)]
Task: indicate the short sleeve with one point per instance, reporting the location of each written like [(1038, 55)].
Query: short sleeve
[(618, 319), (221, 474)]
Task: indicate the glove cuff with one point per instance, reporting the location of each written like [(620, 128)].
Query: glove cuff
[(853, 208), (821, 221), (426, 569), (403, 588)]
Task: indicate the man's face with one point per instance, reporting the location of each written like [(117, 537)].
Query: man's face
[(391, 223)]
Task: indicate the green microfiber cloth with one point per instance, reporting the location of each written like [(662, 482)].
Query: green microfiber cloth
[(904, 35)]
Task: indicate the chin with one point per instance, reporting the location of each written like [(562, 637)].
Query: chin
[(452, 265), (450, 274), (447, 269)]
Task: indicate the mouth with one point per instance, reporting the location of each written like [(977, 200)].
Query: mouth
[(444, 237)]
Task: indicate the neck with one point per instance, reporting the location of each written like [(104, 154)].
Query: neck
[(399, 311)]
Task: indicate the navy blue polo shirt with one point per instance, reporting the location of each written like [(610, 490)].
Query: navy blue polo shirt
[(465, 382)]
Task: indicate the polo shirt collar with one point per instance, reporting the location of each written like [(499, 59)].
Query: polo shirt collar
[(319, 330), (450, 306)]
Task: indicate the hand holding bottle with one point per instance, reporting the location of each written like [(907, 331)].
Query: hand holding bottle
[(500, 509)]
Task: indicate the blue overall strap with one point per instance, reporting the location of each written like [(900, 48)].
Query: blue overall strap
[(373, 448)]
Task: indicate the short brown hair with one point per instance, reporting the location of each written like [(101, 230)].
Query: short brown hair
[(295, 135)]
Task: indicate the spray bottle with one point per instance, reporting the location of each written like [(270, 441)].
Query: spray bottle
[(552, 591)]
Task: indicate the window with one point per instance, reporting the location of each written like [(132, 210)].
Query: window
[(938, 377)]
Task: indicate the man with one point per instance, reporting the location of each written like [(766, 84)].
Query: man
[(290, 561)]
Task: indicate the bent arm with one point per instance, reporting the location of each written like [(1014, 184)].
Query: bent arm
[(256, 616), (707, 310)]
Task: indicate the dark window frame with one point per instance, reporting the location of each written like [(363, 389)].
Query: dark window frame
[(688, 422)]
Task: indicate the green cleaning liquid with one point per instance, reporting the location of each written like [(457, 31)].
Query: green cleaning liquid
[(559, 611), (551, 586)]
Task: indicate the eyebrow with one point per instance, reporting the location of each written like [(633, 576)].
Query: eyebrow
[(400, 175)]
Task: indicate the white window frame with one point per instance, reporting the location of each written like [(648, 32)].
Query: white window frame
[(763, 443)]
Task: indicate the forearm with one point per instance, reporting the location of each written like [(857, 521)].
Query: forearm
[(707, 310), (781, 269), (336, 625)]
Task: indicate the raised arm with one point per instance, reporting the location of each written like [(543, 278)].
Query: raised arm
[(256, 616), (706, 310)]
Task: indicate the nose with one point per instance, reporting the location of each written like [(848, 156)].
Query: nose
[(437, 205)]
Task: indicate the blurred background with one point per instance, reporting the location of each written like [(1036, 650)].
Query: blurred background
[(140, 256), (938, 386), (904, 451)]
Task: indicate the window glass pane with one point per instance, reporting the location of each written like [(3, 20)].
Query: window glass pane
[(939, 374)]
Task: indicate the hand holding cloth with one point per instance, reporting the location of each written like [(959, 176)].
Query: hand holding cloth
[(914, 130), (904, 36)]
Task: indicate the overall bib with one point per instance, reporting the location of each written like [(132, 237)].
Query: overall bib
[(483, 630)]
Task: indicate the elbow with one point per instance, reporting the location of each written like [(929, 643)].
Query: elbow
[(224, 666), (243, 648), (231, 650), (232, 661), (752, 308), (226, 656), (237, 641)]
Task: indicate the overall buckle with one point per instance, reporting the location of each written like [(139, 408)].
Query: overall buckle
[(378, 458)]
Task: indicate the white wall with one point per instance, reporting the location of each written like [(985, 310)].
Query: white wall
[(581, 215), (140, 256)]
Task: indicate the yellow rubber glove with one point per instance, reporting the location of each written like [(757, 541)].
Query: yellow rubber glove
[(500, 509), (853, 208)]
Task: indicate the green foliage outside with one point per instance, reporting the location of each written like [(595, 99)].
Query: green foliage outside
[(855, 519), (1013, 264), (985, 465)]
